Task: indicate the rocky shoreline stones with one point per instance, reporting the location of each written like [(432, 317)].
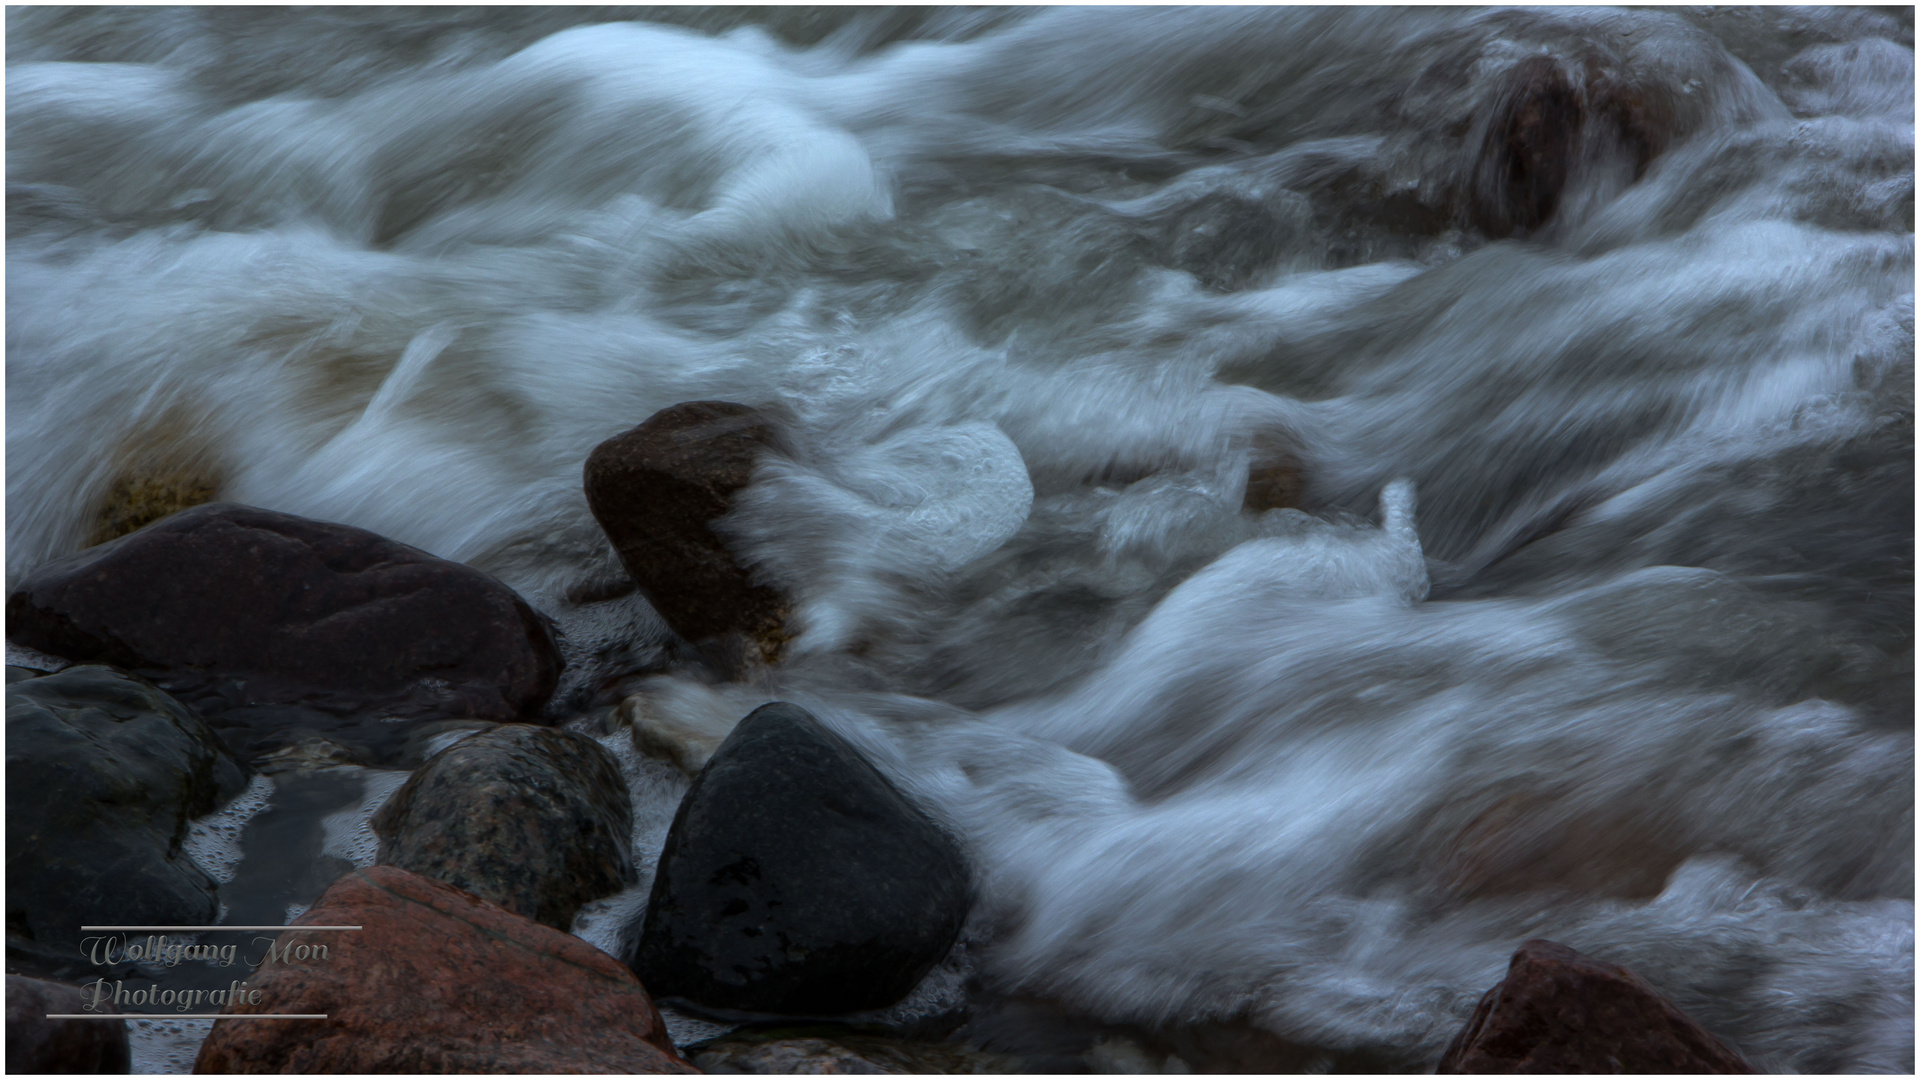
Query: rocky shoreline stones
[(440, 981), (103, 773), (534, 819), (36, 1044), (796, 880), (258, 618), (821, 1049), (1558, 1011), (656, 491)]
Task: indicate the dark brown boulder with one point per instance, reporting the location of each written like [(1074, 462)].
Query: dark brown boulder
[(260, 618), (439, 981), (36, 1044), (657, 489), (1558, 1011), (534, 819), (1530, 148)]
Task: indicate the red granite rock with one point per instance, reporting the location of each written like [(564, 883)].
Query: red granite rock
[(439, 981), (1558, 1011)]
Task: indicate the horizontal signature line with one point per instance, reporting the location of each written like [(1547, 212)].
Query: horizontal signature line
[(187, 1015), (185, 928)]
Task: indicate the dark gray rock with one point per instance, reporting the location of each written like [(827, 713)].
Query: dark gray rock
[(797, 881), (36, 1044), (270, 623), (103, 773), (656, 490), (534, 819)]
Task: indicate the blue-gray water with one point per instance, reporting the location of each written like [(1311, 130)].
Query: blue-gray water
[(1034, 288)]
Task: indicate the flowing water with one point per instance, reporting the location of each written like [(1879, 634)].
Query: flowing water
[(1625, 297)]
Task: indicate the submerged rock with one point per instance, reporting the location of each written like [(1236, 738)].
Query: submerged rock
[(534, 819), (797, 881), (440, 981), (657, 489), (1226, 240), (36, 1044), (262, 619), (1275, 479), (141, 497), (823, 1049), (1558, 1011), (103, 774)]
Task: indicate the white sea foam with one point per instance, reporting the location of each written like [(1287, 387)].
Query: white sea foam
[(213, 841), (1635, 676)]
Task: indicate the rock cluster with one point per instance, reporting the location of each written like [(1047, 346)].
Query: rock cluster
[(438, 980), (256, 617), (534, 819), (657, 490), (103, 773), (1560, 1012), (797, 881)]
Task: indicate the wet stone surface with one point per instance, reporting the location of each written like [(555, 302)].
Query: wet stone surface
[(1558, 1011), (657, 489), (277, 627), (438, 980), (130, 766), (534, 819), (797, 881), (36, 1044)]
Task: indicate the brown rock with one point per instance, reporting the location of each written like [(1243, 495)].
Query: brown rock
[(36, 1044), (836, 1050), (534, 819), (657, 489), (1560, 1012), (1274, 477), (248, 612), (440, 981), (1530, 148)]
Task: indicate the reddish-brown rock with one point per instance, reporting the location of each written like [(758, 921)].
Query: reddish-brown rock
[(238, 610), (440, 981), (36, 1044), (1274, 476), (656, 490), (1558, 1011)]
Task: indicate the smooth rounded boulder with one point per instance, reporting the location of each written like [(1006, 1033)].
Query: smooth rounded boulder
[(796, 880), (259, 619), (534, 819), (437, 980), (104, 771), (1558, 1011), (36, 1044), (657, 489)]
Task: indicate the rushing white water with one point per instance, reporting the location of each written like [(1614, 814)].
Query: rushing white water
[(1033, 289)]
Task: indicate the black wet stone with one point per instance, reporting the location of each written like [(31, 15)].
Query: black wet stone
[(104, 771), (535, 819), (797, 881)]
